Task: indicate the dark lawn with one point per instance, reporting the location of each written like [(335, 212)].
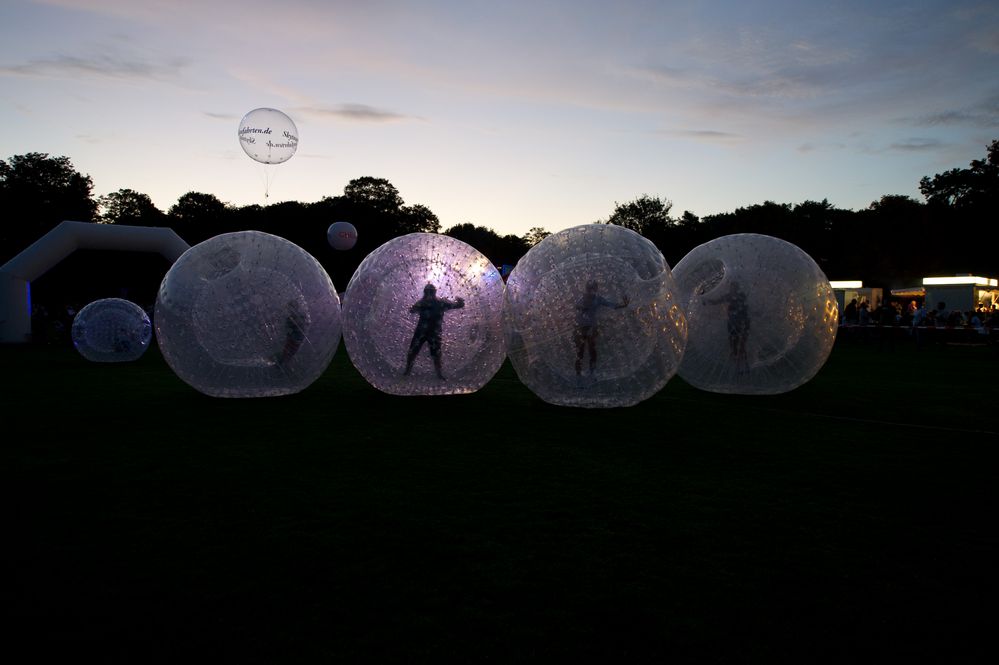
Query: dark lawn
[(853, 519)]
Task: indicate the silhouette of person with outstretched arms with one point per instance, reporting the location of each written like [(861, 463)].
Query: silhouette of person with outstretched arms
[(738, 321), (585, 337), (428, 328)]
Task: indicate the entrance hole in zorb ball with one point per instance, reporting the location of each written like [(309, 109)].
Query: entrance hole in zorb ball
[(247, 314), (591, 319), (111, 330), (761, 314), (421, 307)]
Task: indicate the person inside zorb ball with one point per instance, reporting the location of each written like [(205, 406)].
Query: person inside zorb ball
[(423, 316), (762, 315), (247, 314), (429, 327), (111, 330), (591, 320), (587, 309)]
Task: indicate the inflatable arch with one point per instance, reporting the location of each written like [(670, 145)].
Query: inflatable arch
[(17, 274)]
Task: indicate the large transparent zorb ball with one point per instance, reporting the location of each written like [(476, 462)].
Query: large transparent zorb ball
[(111, 330), (423, 316), (247, 314), (762, 315), (591, 319)]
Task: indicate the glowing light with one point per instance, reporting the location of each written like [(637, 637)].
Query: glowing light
[(959, 279), (847, 284)]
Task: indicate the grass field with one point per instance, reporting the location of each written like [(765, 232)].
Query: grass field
[(851, 520)]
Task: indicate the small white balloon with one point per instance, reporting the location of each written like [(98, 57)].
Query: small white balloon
[(268, 136), (342, 235)]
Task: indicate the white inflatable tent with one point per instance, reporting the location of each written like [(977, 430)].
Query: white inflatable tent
[(17, 274)]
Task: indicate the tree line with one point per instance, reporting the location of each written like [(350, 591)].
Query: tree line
[(893, 242)]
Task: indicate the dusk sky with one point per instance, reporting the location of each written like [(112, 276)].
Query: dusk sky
[(508, 114)]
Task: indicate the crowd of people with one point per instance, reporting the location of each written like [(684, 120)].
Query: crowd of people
[(918, 314), (924, 324)]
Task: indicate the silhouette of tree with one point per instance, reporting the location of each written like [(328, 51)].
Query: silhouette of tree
[(417, 219), (377, 193), (886, 244), (535, 235), (769, 218), (127, 206), (37, 192), (895, 203), (498, 249), (374, 204), (689, 219), (197, 216), (964, 204), (648, 215), (197, 207), (976, 186)]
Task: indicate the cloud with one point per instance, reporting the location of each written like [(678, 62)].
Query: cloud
[(983, 114), (953, 117), (779, 81), (107, 65), (221, 116), (916, 145), (353, 113), (987, 43), (704, 134), (659, 73), (809, 147)]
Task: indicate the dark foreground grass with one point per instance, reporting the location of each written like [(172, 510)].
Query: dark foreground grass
[(853, 519)]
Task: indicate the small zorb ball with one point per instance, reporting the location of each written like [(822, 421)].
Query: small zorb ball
[(111, 330), (591, 319), (423, 316), (247, 314), (762, 315)]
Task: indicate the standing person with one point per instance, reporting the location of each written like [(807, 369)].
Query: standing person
[(919, 320), (863, 314), (738, 323), (428, 328), (585, 336), (295, 324), (850, 314)]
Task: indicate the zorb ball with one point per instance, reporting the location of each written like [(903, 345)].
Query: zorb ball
[(247, 314), (591, 319), (423, 316), (761, 313), (111, 330)]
